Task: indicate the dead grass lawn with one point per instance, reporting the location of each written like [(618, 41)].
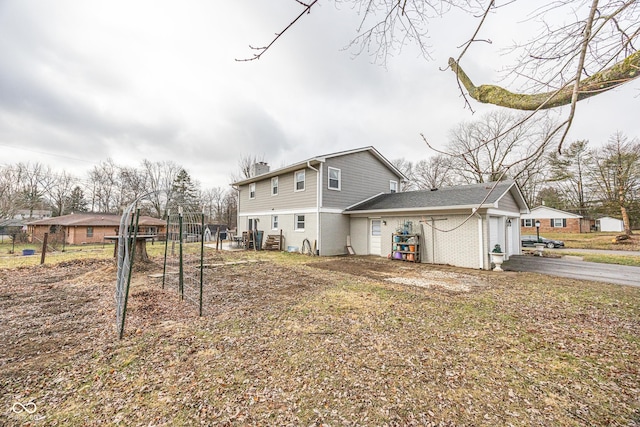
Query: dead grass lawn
[(291, 340)]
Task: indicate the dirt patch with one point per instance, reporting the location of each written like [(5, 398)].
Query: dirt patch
[(410, 274)]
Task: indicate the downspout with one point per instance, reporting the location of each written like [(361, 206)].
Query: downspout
[(237, 195), (318, 202), (481, 239)]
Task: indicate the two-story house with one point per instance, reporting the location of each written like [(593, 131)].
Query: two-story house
[(306, 200), (349, 202)]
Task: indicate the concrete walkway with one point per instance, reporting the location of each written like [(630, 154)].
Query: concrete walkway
[(575, 269)]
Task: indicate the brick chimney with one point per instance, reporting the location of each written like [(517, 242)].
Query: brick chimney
[(259, 168)]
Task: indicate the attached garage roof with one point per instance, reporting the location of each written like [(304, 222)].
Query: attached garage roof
[(464, 196)]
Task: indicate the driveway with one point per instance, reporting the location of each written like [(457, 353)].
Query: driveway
[(575, 269)]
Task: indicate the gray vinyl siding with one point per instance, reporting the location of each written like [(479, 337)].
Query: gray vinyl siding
[(286, 199), (508, 203), (334, 229), (362, 176)]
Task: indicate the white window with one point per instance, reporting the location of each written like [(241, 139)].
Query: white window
[(274, 186), (299, 180), (274, 222), (334, 179), (393, 186), (299, 222), (252, 191), (558, 222), (528, 222)]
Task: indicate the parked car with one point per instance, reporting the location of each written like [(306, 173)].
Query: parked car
[(532, 240)]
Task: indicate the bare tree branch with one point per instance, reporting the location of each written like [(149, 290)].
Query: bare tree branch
[(262, 50), (622, 72)]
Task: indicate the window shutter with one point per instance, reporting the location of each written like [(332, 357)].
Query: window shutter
[(522, 222), (564, 222), (552, 222)]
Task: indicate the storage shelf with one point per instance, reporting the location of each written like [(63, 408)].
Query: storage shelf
[(400, 247)]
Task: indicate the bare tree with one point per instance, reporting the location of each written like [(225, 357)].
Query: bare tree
[(531, 177), (212, 200), (159, 181), (587, 54), (489, 149), (617, 174), (60, 192), (9, 190), (436, 172), (230, 208), (406, 167), (134, 183), (106, 186), (246, 164), (35, 180), (569, 174)]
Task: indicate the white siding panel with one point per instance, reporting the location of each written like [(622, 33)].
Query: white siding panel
[(359, 233), (334, 230)]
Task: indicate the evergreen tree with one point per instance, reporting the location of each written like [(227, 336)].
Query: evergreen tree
[(184, 193), (76, 201)]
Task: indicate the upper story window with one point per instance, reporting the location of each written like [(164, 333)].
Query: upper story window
[(252, 190), (299, 180), (334, 178), (274, 186), (393, 186)]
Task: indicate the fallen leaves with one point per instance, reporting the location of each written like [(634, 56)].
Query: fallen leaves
[(328, 342)]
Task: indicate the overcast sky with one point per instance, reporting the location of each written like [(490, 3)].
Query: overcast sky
[(81, 81)]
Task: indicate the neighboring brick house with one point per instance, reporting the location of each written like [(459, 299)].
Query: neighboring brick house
[(81, 228), (353, 197), (553, 221)]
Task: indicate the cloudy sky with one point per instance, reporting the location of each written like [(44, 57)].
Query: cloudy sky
[(82, 81)]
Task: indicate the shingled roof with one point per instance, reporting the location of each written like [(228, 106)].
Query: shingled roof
[(93, 220), (457, 197)]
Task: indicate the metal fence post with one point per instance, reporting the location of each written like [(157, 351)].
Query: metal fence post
[(181, 271), (201, 260), (166, 245)]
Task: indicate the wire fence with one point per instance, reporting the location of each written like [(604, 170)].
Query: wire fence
[(183, 258), (127, 234)]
